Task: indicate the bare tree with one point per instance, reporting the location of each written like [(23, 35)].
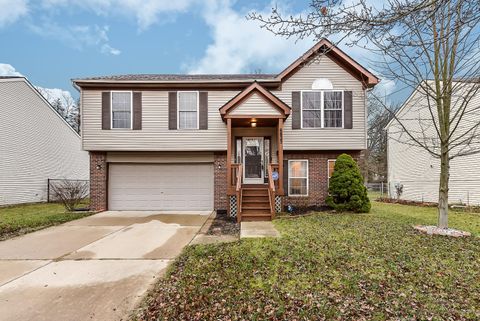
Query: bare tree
[(376, 153), (431, 45), (64, 104), (70, 192)]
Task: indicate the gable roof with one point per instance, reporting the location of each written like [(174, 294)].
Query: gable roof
[(339, 56), (255, 87), (323, 46)]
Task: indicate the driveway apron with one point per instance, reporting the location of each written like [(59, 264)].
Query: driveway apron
[(95, 268)]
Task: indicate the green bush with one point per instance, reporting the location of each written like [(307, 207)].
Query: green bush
[(346, 190)]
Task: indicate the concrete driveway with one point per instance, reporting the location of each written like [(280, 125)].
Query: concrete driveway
[(95, 268)]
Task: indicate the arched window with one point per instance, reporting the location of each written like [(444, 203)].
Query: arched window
[(322, 84)]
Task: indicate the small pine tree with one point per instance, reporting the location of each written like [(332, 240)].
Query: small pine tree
[(347, 191)]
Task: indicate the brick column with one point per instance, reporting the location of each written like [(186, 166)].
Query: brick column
[(220, 181), (98, 181)]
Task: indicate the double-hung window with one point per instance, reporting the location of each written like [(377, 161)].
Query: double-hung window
[(188, 110), (121, 109), (322, 109), (298, 177)]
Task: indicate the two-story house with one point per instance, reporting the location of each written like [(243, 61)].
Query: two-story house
[(247, 144)]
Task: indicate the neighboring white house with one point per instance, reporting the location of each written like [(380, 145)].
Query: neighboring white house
[(416, 169), (36, 144)]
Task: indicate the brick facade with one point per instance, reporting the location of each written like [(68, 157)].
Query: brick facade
[(318, 176), (98, 181), (220, 181)]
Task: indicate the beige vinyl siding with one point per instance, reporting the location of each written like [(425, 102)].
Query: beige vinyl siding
[(325, 138), (155, 135), (255, 105), (159, 157), (417, 170), (35, 144)]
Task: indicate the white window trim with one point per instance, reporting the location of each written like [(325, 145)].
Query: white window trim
[(111, 108), (328, 168), (198, 109), (289, 177), (322, 109)]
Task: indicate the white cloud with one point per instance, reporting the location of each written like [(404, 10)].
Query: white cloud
[(240, 45), (78, 37), (11, 11), (145, 12), (109, 50), (8, 70)]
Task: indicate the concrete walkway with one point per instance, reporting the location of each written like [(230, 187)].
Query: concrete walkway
[(95, 268), (258, 229)]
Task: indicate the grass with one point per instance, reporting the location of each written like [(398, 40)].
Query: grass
[(329, 267), (21, 219)]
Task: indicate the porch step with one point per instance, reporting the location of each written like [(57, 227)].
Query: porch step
[(256, 211), (255, 206), (252, 218), (255, 192)]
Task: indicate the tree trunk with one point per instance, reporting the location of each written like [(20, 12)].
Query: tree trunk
[(443, 188)]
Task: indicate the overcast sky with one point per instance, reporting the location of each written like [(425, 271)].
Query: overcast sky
[(52, 41)]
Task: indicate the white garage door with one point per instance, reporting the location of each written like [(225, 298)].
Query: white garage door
[(177, 187)]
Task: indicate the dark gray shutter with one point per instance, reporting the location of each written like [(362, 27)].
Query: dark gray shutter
[(137, 110), (203, 110), (106, 110), (172, 110), (285, 177), (347, 110), (296, 110)]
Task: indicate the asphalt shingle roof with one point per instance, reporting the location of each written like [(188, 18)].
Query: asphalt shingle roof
[(180, 77)]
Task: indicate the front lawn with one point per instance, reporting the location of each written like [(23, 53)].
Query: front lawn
[(21, 219), (329, 267)]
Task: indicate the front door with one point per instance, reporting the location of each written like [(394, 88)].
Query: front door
[(253, 160)]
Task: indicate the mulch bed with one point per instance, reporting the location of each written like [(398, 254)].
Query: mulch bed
[(224, 225)]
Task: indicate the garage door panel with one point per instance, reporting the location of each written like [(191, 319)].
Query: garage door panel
[(161, 187)]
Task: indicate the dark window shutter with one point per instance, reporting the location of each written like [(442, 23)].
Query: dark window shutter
[(203, 110), (172, 110), (137, 110), (106, 110), (285, 177), (347, 109), (296, 110)]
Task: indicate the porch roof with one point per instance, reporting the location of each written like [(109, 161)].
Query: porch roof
[(255, 88)]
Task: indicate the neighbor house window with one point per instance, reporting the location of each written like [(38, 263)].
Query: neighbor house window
[(298, 177), (331, 168), (321, 109), (188, 110), (121, 109)]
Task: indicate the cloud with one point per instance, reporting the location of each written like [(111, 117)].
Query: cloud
[(11, 11), (145, 12), (78, 37), (8, 70), (240, 45), (109, 50)]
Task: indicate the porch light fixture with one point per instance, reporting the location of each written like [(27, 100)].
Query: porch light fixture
[(253, 123)]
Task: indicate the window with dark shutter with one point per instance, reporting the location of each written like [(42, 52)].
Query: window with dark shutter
[(172, 110), (106, 110), (296, 110), (137, 111), (348, 110), (203, 110)]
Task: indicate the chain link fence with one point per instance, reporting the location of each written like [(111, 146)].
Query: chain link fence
[(377, 190)]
